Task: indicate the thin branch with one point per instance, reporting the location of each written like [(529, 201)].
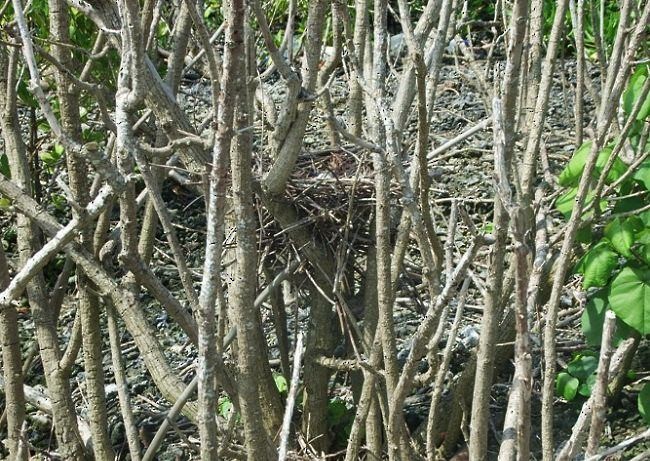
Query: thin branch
[(291, 400)]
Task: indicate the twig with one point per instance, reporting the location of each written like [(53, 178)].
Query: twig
[(291, 400), (622, 446), (169, 419), (275, 283), (53, 246), (442, 371), (122, 389), (461, 137), (600, 389)]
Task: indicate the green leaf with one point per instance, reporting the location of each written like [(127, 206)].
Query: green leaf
[(336, 411), (224, 406), (597, 265), (593, 318), (583, 366), (633, 93), (629, 204), (643, 174), (570, 176), (621, 235), (642, 243), (49, 158), (163, 29), (645, 217), (566, 385), (44, 127), (488, 228), (643, 251), (4, 166), (25, 95), (618, 167), (644, 403), (281, 383), (630, 298), (636, 225), (4, 203), (585, 234), (564, 203), (588, 386), (58, 201)]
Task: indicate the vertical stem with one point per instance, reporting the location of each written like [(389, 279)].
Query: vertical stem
[(28, 237), (599, 408), (291, 400), (504, 125), (541, 102), (130, 427), (77, 167), (577, 17), (245, 315), (359, 40), (12, 371), (382, 216)]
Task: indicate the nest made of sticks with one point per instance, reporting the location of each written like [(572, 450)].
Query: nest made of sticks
[(333, 193)]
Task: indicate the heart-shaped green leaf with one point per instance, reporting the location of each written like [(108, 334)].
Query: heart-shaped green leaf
[(630, 298), (566, 385), (597, 265), (593, 318), (586, 387), (618, 167), (565, 202), (583, 366), (570, 176), (621, 235), (633, 93)]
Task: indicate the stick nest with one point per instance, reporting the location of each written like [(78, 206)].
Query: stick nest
[(332, 191)]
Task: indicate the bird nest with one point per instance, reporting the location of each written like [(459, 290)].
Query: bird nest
[(333, 193)]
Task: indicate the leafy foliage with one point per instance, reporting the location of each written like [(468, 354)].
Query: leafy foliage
[(593, 318), (281, 383), (570, 176), (618, 261), (579, 377), (630, 298), (567, 385), (633, 93), (340, 418), (4, 166), (597, 265)]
